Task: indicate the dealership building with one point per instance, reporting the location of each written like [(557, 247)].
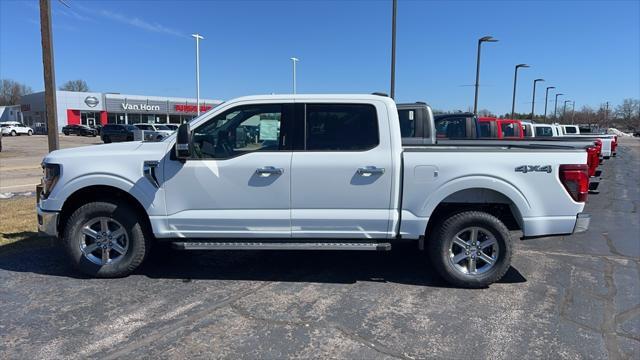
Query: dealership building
[(92, 108)]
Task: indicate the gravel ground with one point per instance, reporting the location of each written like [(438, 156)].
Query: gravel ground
[(564, 297)]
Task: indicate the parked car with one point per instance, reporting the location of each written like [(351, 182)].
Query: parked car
[(14, 128), (117, 132), (80, 130), (160, 131)]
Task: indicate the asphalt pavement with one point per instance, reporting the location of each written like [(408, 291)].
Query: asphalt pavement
[(564, 298)]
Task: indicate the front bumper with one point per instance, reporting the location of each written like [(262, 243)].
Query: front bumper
[(48, 222), (582, 223)]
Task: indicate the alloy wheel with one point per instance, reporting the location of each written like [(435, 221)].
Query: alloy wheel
[(103, 241), (474, 251)]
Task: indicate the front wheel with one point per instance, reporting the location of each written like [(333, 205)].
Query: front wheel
[(29, 133), (106, 139), (471, 249), (105, 239), (13, 133)]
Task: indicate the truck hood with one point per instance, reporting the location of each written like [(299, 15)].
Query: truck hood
[(111, 150)]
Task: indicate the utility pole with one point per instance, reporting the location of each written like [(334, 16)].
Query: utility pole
[(393, 49), (49, 75)]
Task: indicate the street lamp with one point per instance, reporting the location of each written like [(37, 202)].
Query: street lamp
[(546, 97), (564, 109), (515, 80), (533, 102), (393, 48), (198, 37), (555, 108), (480, 41), (294, 60), (573, 112)]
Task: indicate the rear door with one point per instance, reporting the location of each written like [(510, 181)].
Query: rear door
[(341, 171)]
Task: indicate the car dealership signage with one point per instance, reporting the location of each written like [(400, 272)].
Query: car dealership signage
[(191, 108), (139, 107)]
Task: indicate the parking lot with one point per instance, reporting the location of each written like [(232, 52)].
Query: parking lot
[(20, 159), (564, 297)]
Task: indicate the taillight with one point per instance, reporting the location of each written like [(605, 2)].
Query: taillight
[(599, 146), (592, 160), (614, 143), (575, 179)]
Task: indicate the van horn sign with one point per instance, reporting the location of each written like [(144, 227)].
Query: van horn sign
[(143, 107)]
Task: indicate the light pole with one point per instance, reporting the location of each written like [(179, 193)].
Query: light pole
[(294, 60), (515, 80), (573, 112), (555, 108), (480, 41), (533, 102), (198, 37), (564, 109), (393, 48), (546, 98)]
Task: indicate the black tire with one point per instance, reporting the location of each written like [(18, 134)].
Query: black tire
[(106, 139), (13, 133), (66, 133), (29, 133), (139, 242), (440, 245)]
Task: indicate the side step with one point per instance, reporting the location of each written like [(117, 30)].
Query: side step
[(244, 245)]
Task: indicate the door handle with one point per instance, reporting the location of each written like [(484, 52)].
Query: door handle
[(269, 170), (370, 170)]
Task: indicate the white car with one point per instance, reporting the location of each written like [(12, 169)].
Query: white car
[(159, 131), (308, 172), (14, 128)]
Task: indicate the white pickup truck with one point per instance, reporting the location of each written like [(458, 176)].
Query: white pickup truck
[(308, 172)]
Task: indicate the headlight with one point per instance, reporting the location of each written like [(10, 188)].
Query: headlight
[(51, 173)]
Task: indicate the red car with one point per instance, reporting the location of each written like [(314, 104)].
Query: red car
[(490, 127)]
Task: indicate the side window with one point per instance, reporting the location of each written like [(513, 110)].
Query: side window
[(240, 130), (341, 127), (510, 129), (407, 123), (451, 127), (570, 130)]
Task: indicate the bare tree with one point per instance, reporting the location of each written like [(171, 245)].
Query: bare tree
[(75, 85), (627, 114), (12, 91)]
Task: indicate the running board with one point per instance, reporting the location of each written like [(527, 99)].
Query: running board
[(243, 245)]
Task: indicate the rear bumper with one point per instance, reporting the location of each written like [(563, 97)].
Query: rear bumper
[(582, 223), (48, 222)]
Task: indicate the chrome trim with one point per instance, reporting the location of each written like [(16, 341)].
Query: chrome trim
[(582, 223), (48, 222)]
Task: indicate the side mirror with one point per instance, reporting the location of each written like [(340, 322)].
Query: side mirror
[(183, 141)]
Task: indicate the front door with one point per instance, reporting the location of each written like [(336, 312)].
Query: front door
[(237, 183), (341, 176)]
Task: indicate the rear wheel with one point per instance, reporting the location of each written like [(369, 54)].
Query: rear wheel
[(105, 239), (471, 249)]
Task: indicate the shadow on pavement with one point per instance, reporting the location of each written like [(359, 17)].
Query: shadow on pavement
[(403, 265)]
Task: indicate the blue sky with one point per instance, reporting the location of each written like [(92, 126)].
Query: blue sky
[(589, 50)]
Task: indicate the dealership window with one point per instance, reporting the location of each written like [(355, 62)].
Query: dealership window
[(346, 127), (134, 118)]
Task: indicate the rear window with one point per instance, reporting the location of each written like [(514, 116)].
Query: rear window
[(544, 131), (451, 127), (407, 122), (341, 127), (510, 129), (484, 129), (570, 130)]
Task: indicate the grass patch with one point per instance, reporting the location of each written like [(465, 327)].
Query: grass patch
[(18, 224)]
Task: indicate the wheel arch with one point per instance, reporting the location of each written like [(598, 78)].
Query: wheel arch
[(102, 193)]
